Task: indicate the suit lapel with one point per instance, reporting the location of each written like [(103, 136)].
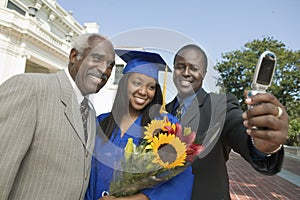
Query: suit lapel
[(192, 115), (171, 106), (72, 111), (206, 116)]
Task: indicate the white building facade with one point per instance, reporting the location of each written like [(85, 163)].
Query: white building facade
[(35, 37)]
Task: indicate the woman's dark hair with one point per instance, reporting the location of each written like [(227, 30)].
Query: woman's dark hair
[(121, 106)]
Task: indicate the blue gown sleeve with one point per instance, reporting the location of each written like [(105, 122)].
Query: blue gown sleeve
[(179, 187), (92, 187), (89, 195)]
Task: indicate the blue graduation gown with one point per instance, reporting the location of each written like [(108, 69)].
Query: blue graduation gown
[(107, 156)]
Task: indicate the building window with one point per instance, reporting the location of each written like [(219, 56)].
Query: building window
[(13, 6), (118, 73)]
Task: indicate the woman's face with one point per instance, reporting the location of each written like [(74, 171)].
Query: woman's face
[(141, 91)]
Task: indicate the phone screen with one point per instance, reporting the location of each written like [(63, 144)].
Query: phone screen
[(266, 70)]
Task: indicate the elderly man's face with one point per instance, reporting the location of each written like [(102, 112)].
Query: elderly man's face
[(91, 70)]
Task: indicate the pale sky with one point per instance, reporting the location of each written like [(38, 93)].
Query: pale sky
[(218, 26)]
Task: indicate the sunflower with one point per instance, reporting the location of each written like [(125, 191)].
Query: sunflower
[(169, 151), (153, 129), (169, 127)]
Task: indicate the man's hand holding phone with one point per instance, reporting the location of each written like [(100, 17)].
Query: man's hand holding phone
[(266, 119), (269, 113)]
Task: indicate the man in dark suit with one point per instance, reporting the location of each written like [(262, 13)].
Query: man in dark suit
[(45, 148), (222, 126)]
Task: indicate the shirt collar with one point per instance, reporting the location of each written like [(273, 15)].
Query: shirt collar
[(187, 101), (78, 94)]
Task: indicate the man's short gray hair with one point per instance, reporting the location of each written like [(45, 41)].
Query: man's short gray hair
[(83, 42)]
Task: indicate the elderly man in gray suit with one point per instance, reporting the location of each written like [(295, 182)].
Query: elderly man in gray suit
[(45, 148)]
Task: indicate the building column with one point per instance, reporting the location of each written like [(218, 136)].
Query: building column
[(3, 3), (11, 63)]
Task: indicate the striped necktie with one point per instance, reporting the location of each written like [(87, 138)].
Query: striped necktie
[(178, 111), (84, 109)]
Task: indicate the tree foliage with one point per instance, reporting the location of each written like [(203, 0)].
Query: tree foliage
[(237, 69)]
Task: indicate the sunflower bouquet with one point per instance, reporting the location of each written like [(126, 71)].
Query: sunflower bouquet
[(166, 150)]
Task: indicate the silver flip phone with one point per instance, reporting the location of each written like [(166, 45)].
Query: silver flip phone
[(264, 72)]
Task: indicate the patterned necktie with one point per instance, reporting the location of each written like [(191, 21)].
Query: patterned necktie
[(178, 111), (84, 109)]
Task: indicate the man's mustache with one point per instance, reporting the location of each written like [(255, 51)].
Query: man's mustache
[(99, 75)]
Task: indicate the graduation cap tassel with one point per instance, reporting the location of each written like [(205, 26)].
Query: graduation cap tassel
[(163, 106)]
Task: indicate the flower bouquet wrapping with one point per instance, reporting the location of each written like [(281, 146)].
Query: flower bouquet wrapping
[(166, 150)]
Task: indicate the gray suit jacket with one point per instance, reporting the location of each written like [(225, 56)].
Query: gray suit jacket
[(43, 154)]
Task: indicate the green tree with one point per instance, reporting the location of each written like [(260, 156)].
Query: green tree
[(236, 70)]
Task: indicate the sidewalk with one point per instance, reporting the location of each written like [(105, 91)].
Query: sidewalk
[(246, 183)]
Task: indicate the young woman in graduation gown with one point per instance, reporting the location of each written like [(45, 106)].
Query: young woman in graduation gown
[(137, 102)]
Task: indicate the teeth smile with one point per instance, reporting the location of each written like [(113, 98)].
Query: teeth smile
[(185, 82), (139, 100), (99, 80)]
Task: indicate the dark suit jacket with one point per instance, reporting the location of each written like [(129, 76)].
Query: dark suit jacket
[(219, 117)]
